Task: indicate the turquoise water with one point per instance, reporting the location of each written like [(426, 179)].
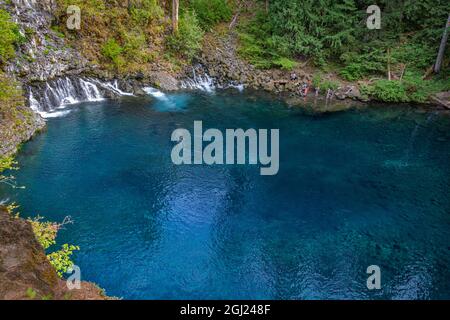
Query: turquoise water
[(356, 188)]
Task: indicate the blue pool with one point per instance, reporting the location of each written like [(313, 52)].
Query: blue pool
[(370, 186)]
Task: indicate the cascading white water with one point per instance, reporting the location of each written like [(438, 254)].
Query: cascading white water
[(164, 102), (49, 99), (203, 82), (114, 87), (91, 91), (199, 82), (155, 93)]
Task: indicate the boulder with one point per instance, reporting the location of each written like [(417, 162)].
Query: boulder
[(164, 81)]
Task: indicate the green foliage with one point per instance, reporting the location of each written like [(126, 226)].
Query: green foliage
[(360, 65), (57, 31), (11, 209), (259, 47), (319, 29), (31, 293), (420, 90), (88, 7), (211, 12), (253, 50), (411, 89), (112, 51), (418, 56), (128, 35), (46, 233), (324, 84), (10, 92), (120, 35), (335, 31), (187, 41), (146, 11), (134, 43), (60, 260), (285, 63), (7, 163), (389, 91), (9, 37)]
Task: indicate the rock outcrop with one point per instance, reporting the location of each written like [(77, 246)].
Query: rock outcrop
[(13, 133), (219, 56), (44, 55), (26, 273)]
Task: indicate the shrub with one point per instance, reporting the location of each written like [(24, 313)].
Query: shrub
[(324, 84), (9, 37), (7, 163), (211, 12), (411, 89), (256, 45), (285, 63), (187, 41), (134, 45), (389, 91), (145, 12), (360, 64), (112, 51), (45, 233), (60, 259)]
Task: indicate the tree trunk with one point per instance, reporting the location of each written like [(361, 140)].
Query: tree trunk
[(267, 6), (175, 9), (389, 64), (440, 57)]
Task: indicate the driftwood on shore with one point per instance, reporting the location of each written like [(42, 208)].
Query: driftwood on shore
[(442, 99)]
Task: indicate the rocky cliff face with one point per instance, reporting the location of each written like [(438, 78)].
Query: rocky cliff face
[(44, 55), (25, 269), (14, 131)]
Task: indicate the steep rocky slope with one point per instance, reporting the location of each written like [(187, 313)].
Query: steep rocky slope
[(44, 55), (26, 273)]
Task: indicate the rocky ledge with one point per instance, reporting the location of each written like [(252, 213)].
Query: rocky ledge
[(220, 58), (21, 129), (25, 269)]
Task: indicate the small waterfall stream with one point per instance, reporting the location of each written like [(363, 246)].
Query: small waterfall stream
[(198, 82)]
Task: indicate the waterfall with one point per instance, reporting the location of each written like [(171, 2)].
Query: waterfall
[(49, 98), (114, 87), (198, 81)]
